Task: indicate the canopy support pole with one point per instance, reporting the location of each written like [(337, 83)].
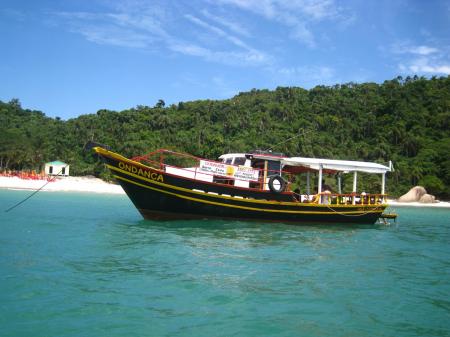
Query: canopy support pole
[(383, 184), (319, 185), (308, 183), (265, 185), (339, 183), (355, 178)]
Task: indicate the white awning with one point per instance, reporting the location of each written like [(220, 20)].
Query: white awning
[(336, 165)]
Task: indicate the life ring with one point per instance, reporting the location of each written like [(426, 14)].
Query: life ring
[(276, 184)]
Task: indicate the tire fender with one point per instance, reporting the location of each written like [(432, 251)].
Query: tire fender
[(277, 184)]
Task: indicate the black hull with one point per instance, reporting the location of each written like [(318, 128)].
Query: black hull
[(159, 195)]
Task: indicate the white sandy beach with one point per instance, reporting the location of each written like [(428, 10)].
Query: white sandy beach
[(65, 184), (444, 204), (91, 184)]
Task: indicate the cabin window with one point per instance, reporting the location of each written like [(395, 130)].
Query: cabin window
[(50, 170), (258, 164), (63, 171), (228, 160), (273, 168), (239, 161)]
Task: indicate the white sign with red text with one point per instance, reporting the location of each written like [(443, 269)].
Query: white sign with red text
[(237, 172)]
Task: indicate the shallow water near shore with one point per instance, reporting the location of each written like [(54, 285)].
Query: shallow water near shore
[(75, 264)]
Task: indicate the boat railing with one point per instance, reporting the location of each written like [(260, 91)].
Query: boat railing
[(329, 198), (160, 158)]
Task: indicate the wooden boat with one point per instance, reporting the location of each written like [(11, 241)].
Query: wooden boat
[(249, 186)]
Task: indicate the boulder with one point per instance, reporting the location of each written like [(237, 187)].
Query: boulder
[(427, 199), (413, 195)]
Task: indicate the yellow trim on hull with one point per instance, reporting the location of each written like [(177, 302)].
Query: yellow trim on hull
[(236, 206)]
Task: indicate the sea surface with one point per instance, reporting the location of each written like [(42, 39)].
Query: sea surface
[(74, 264)]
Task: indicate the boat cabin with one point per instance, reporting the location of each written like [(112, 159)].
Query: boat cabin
[(264, 164), (276, 172)]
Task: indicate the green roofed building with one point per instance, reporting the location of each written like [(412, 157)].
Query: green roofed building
[(57, 168)]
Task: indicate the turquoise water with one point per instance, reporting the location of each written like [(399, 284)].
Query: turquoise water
[(88, 265)]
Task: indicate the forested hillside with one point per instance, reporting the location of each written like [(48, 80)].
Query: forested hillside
[(403, 120)]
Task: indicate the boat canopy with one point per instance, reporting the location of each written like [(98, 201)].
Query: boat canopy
[(335, 165)]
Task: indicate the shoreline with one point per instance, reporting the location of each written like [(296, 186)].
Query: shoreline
[(440, 204), (61, 184), (96, 185)]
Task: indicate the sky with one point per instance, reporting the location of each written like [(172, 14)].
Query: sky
[(72, 57)]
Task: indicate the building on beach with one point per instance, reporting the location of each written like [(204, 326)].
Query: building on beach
[(57, 168)]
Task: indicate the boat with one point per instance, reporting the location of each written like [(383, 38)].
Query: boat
[(257, 185)]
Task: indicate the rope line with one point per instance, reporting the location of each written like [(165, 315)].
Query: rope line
[(284, 141), (21, 202), (353, 215)]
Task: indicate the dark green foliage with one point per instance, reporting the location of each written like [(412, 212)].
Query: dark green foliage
[(432, 184), (403, 120)]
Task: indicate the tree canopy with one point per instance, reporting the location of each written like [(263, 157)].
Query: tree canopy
[(405, 120)]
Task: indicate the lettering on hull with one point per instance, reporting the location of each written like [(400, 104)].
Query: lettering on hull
[(143, 173)]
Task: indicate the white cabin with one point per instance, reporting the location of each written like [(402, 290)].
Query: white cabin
[(57, 168)]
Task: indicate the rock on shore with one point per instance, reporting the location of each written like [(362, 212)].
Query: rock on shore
[(427, 199), (418, 194)]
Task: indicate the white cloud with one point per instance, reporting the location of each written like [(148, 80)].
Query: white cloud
[(265, 8), (408, 48), (248, 58), (314, 9), (305, 76), (299, 16), (424, 50), (113, 36), (119, 29), (190, 49), (424, 65), (236, 41), (231, 25), (141, 22), (136, 24), (422, 59), (144, 29)]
